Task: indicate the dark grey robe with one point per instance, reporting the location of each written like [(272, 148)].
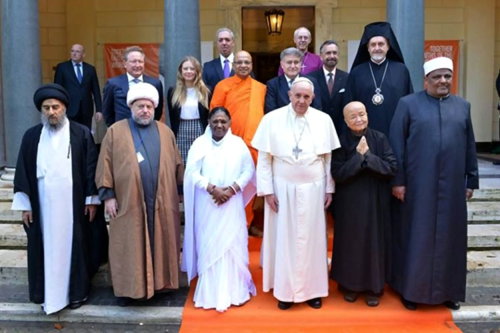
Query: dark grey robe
[(434, 144), (147, 145), (361, 207)]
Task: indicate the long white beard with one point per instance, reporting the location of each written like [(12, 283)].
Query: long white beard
[(54, 127)]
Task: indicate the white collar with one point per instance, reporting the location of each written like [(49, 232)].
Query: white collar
[(131, 78)]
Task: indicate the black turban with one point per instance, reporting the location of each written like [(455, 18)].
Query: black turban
[(50, 90), (378, 29)]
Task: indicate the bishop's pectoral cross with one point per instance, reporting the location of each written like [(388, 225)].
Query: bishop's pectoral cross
[(297, 151)]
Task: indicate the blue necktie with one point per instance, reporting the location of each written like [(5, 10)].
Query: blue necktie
[(79, 75), (226, 69), (136, 80)]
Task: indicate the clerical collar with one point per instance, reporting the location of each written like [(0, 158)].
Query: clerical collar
[(378, 63)]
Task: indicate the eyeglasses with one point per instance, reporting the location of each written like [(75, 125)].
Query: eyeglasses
[(241, 62)]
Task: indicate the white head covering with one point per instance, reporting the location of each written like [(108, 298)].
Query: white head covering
[(438, 63), (142, 90)]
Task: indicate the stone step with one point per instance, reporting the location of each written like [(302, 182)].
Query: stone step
[(492, 194), (13, 270), (480, 236), (6, 194), (483, 236), (478, 212), (483, 212), (483, 268)]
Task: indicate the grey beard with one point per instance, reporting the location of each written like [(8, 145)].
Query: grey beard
[(55, 127), (142, 122)]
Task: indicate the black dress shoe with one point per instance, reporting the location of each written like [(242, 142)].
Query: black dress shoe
[(123, 301), (350, 296), (284, 305), (76, 304), (409, 304), (452, 305), (314, 303), (372, 300)]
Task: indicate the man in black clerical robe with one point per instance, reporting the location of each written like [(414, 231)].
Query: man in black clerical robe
[(433, 140), (362, 168), (88, 248), (379, 77)]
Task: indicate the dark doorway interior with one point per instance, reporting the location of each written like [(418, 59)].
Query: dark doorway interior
[(265, 49)]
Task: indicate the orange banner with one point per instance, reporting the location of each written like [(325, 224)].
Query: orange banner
[(444, 48), (113, 58)]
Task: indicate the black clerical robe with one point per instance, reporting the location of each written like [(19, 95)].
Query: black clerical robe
[(434, 144), (361, 209), (90, 240), (395, 84)]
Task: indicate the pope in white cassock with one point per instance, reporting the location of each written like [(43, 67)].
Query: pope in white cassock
[(293, 174), (55, 190)]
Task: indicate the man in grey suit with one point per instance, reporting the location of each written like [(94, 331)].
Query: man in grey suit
[(331, 83), (221, 67), (80, 81), (114, 104)]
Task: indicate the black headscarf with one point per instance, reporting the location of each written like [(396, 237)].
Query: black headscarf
[(378, 29), (50, 90)]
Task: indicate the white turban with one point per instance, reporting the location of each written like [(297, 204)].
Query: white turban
[(142, 90), (438, 63)]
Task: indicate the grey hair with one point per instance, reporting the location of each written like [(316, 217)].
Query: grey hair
[(297, 31), (291, 51), (222, 30)]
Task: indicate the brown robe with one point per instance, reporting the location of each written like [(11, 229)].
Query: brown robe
[(135, 272)]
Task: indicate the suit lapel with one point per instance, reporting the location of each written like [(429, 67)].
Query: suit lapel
[(283, 89), (124, 83), (218, 68)]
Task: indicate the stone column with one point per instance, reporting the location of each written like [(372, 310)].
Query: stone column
[(21, 71), (407, 20), (180, 39)]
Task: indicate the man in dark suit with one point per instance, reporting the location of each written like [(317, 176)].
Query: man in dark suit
[(331, 82), (80, 80), (278, 87), (221, 67), (114, 104)]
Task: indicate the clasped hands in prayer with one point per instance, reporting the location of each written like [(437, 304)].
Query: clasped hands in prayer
[(362, 146), (222, 194)]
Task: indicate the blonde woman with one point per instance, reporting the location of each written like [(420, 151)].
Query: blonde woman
[(188, 104)]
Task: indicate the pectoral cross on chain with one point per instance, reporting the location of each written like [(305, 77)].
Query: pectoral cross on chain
[(296, 152)]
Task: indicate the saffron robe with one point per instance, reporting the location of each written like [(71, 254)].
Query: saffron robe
[(88, 240), (294, 251), (244, 99), (136, 270), (434, 144), (215, 236), (361, 211)]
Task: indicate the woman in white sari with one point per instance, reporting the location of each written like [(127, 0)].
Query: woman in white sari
[(218, 182)]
